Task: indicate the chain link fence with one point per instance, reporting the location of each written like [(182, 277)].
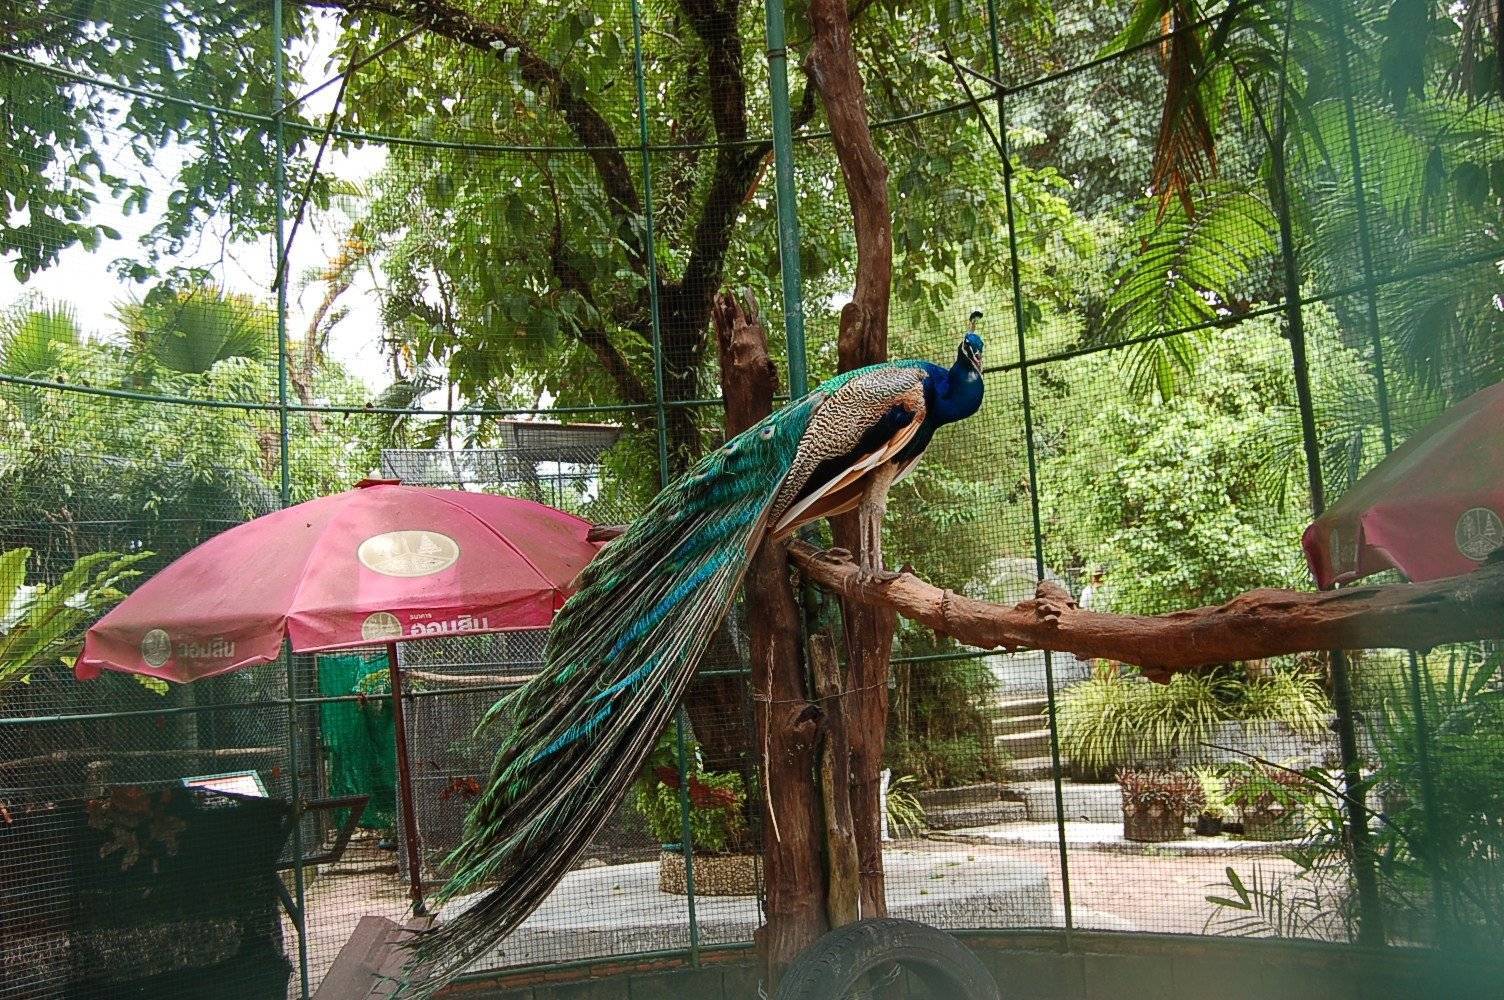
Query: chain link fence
[(1229, 255)]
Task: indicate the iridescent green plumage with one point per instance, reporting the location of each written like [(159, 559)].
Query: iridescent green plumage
[(624, 648)]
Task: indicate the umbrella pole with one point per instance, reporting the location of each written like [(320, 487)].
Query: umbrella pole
[(405, 783)]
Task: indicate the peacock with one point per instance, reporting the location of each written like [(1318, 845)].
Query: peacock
[(623, 649)]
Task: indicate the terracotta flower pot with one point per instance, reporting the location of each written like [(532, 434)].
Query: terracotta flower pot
[(1151, 824), (1272, 823)]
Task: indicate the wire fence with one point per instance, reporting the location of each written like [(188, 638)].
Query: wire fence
[(1229, 256)]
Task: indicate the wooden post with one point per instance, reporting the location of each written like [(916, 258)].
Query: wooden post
[(833, 68), (788, 725), (405, 784), (843, 904)]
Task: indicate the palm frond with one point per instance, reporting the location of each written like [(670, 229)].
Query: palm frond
[(1185, 275)]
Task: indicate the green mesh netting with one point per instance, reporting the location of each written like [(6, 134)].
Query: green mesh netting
[(360, 737)]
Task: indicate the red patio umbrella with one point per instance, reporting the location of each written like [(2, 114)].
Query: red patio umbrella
[(376, 565), (1433, 508)]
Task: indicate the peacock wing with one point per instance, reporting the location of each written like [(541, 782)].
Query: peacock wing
[(868, 421)]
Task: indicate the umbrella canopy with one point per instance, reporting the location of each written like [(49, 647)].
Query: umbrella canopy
[(1433, 508), (380, 563)]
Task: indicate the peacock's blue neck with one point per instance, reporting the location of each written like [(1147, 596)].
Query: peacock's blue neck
[(950, 395), (958, 393)]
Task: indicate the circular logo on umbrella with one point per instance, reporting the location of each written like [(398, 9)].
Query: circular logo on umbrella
[(156, 647), (1479, 531), (381, 626), (408, 553)]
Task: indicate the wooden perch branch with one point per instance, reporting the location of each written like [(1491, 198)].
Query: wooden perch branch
[(1257, 624)]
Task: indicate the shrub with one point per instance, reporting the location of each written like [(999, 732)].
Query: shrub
[(937, 728), (717, 809), (1116, 718), (1214, 792), (1262, 787), (1289, 695), (1176, 793), (905, 811)]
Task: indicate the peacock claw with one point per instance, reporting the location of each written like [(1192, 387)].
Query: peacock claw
[(876, 577)]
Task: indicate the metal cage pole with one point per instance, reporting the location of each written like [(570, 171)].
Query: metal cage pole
[(1020, 328), (785, 200), (1371, 925), (1386, 428), (279, 182), (644, 149)]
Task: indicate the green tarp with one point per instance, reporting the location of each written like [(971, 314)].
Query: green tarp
[(360, 737)]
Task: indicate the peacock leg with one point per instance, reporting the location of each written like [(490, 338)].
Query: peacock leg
[(870, 512)]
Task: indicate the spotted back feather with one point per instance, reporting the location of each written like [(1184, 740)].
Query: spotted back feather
[(619, 656)]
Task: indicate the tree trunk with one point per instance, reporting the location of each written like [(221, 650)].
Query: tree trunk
[(787, 723), (833, 69), (842, 863)]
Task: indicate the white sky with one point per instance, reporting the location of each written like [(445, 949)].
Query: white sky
[(84, 280)]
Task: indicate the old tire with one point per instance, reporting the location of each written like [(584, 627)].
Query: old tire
[(832, 966)]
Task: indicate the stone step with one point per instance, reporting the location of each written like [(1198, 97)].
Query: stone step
[(1031, 742), (1010, 708), (961, 795), (1086, 803), (956, 817), (1014, 724), (1028, 769)]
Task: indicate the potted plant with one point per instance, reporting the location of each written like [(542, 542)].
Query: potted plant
[(1214, 811), (1156, 803), (1269, 801), (724, 862)]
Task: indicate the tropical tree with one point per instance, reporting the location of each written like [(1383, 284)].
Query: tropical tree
[(42, 625), (1390, 178)]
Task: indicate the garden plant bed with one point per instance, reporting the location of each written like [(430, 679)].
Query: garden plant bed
[(1108, 837), (715, 874)]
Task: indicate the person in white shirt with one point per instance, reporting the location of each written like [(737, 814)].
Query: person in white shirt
[(1089, 596)]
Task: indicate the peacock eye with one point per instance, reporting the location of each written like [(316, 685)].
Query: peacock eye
[(766, 432)]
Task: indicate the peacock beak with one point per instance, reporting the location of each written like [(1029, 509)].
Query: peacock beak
[(975, 357)]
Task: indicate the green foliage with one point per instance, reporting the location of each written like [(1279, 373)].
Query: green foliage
[(717, 813), (1455, 729), (1289, 695), (937, 727), (34, 336), (1188, 265), (1170, 497), (1258, 786), (60, 163), (1116, 717), (905, 811), (188, 331), (43, 625), (1213, 792), (172, 472)]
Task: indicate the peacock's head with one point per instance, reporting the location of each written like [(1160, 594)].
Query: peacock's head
[(971, 351)]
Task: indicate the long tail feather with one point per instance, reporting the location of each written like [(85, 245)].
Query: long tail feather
[(620, 655)]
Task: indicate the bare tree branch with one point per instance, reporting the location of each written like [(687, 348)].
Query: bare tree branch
[(589, 126), (1253, 625)]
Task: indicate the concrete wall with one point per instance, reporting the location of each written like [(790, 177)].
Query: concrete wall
[(1099, 966)]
